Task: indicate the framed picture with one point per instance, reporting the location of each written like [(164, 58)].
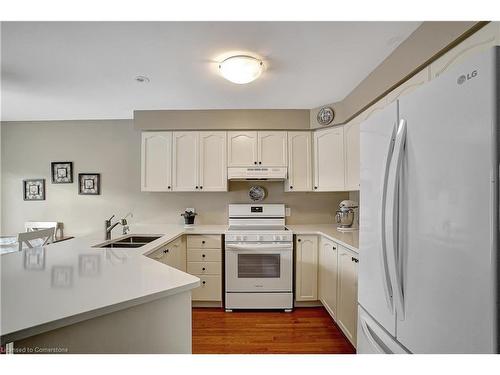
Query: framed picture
[(34, 189), (62, 172), (89, 183)]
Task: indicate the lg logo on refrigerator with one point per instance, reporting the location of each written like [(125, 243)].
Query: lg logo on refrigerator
[(465, 77)]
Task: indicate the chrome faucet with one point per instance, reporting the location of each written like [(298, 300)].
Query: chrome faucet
[(108, 227)]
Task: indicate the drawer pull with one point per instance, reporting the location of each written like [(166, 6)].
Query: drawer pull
[(203, 242), (203, 255), (354, 260), (165, 251), (203, 269), (299, 240), (203, 282)]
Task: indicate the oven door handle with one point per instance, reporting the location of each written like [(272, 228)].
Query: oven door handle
[(260, 247)]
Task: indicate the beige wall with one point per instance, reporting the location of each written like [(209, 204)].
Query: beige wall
[(290, 119), (423, 46), (112, 148)]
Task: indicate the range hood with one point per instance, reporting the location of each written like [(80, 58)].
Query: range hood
[(257, 173)]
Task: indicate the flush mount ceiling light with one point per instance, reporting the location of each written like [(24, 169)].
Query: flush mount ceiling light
[(241, 69)]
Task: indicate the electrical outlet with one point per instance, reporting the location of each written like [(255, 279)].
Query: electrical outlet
[(190, 209), (288, 211)]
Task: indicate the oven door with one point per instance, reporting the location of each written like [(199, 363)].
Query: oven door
[(259, 267)]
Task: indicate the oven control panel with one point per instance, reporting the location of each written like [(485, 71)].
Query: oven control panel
[(258, 237)]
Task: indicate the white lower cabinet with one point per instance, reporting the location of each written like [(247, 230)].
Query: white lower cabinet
[(172, 254), (328, 272), (306, 268), (204, 260), (347, 293), (327, 275), (210, 288)]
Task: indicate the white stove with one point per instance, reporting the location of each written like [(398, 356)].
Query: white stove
[(259, 258)]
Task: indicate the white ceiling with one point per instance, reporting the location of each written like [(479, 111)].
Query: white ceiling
[(86, 70)]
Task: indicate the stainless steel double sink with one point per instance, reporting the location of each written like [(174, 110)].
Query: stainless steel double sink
[(128, 242)]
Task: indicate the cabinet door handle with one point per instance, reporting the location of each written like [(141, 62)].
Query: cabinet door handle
[(298, 240), (201, 187), (260, 162), (165, 251), (354, 260), (168, 187), (291, 187), (255, 162), (203, 255), (315, 187), (203, 282), (334, 248), (203, 269), (196, 187), (203, 242)]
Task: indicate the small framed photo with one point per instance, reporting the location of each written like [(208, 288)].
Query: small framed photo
[(34, 189), (89, 183), (62, 172)]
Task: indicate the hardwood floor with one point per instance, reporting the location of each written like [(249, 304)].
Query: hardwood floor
[(304, 331)]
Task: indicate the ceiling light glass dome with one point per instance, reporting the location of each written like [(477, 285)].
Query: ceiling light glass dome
[(241, 69)]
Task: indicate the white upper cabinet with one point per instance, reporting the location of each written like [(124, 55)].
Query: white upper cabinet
[(156, 155), (351, 144), (263, 148), (185, 161), (329, 166), (406, 87), (272, 147), (299, 161), (213, 162), (485, 38), (242, 149)]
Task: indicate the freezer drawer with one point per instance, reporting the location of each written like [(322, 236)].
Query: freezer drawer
[(373, 339)]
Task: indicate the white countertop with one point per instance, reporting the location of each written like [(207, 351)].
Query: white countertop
[(71, 281), (349, 240)]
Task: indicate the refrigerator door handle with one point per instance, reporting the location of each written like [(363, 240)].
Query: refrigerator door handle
[(388, 287), (369, 336), (391, 217)]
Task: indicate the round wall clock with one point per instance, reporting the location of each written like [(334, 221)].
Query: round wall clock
[(325, 115), (257, 193)]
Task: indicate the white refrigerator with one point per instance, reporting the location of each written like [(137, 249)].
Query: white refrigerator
[(429, 217)]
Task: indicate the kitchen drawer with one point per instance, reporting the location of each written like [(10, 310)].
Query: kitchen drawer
[(204, 268), (210, 288), (204, 255), (202, 241)]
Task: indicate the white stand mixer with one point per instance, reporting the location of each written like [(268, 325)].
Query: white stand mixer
[(346, 216)]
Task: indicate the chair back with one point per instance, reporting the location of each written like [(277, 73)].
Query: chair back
[(30, 226), (44, 236)]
